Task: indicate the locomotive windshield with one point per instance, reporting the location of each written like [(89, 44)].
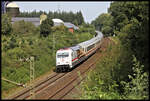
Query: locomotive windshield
[(62, 55)]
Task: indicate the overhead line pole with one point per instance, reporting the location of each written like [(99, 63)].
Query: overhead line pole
[(32, 92)]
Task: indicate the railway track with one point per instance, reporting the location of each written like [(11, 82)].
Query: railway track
[(58, 85), (61, 93), (25, 93), (70, 85)]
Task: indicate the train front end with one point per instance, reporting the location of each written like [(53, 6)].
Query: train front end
[(63, 60)]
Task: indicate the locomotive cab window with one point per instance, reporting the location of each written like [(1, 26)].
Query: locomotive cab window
[(62, 55)]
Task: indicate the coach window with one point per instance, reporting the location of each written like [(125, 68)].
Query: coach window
[(90, 47)]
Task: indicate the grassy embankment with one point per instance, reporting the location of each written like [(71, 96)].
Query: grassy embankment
[(17, 48)]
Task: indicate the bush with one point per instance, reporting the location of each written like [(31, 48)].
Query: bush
[(138, 86), (6, 24), (87, 28), (106, 30), (60, 28), (22, 27), (45, 27)]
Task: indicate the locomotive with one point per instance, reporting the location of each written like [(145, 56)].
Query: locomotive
[(67, 58)]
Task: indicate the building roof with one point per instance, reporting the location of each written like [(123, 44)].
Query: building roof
[(70, 25), (12, 5), (34, 20), (57, 20)]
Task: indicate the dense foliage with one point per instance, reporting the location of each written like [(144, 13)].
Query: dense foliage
[(75, 18), (131, 25), (86, 27), (129, 21), (6, 24), (104, 23), (22, 27), (45, 27), (137, 87)]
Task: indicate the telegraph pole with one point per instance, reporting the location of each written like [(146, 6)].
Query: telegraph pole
[(32, 93)]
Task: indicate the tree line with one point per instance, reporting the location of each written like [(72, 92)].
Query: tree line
[(128, 21), (75, 18)]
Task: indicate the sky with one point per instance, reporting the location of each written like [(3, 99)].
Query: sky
[(90, 10)]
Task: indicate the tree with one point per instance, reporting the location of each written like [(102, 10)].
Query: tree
[(75, 18), (107, 30), (45, 27), (6, 24), (80, 18), (75, 22), (131, 19), (23, 27), (137, 88), (104, 23)]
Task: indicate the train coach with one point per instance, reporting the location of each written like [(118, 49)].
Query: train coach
[(67, 58)]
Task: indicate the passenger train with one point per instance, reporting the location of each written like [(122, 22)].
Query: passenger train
[(68, 58)]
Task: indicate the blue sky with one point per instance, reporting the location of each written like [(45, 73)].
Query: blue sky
[(90, 10)]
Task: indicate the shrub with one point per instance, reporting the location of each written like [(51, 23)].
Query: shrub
[(6, 24), (138, 86), (87, 28), (60, 28), (12, 43), (106, 30), (45, 27), (22, 27)]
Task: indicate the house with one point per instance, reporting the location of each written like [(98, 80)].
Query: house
[(57, 22), (71, 26), (34, 20)]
